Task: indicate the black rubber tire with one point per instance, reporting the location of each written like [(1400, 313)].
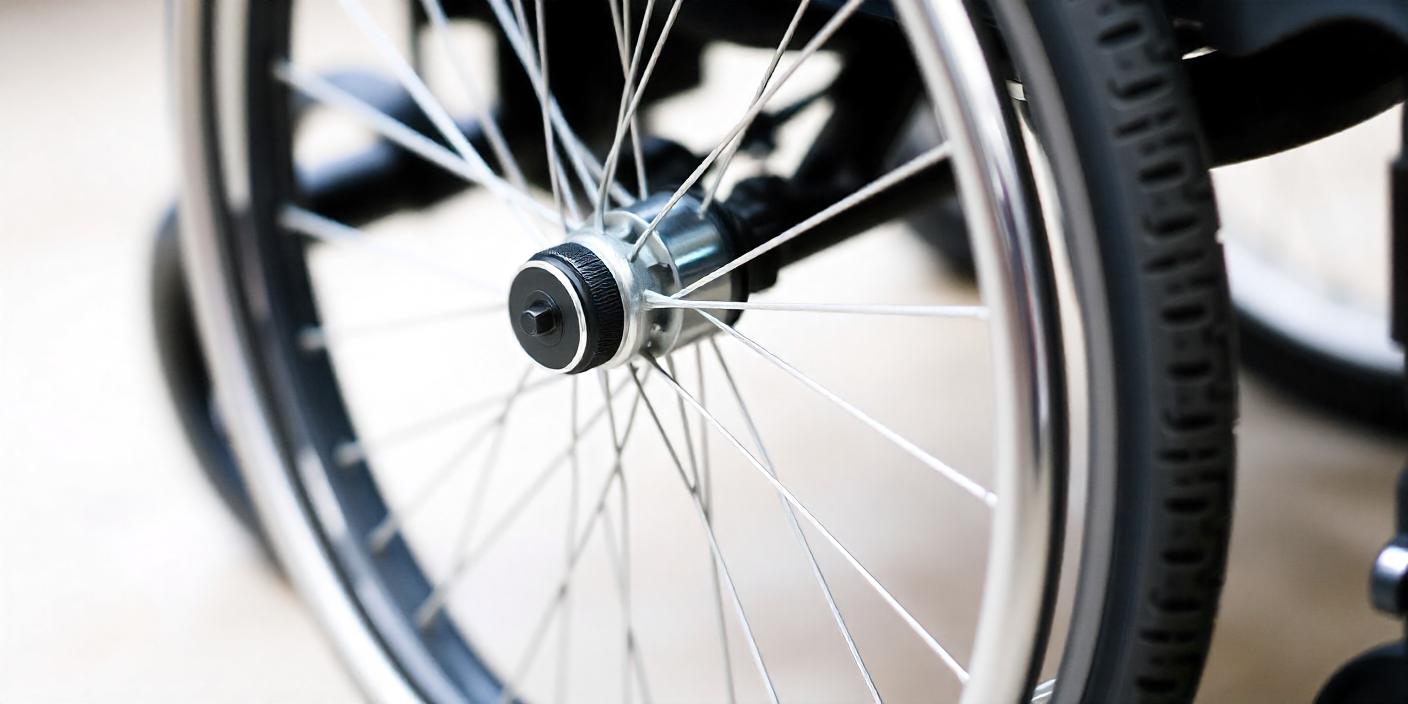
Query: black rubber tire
[(1135, 133), (188, 380)]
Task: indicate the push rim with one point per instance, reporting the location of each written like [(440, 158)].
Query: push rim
[(290, 461)]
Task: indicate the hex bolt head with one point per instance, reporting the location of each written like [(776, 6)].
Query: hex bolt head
[(540, 318)]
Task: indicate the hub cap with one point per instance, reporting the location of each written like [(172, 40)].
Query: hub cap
[(567, 310)]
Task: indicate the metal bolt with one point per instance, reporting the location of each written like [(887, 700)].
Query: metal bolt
[(1388, 582), (538, 319)]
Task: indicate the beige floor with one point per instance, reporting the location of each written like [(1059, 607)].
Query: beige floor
[(122, 580)]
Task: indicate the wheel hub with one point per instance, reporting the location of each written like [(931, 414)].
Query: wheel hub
[(585, 303)]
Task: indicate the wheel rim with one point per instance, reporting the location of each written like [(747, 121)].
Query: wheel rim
[(436, 659)]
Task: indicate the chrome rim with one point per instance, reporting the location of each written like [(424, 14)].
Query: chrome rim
[(398, 646)]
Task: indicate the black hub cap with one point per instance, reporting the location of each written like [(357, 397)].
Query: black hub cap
[(566, 309)]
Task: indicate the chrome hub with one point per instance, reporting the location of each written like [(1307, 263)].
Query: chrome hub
[(586, 303)]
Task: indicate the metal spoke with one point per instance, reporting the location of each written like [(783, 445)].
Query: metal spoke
[(655, 300), (408, 78), (324, 91), (963, 481), (460, 65), (889, 180), (350, 453), (516, 509), (392, 523), (317, 337), (574, 489), (428, 610), (718, 557), (621, 24), (816, 523), (621, 570), (310, 224), (762, 88), (491, 462), (389, 526), (563, 196), (623, 584), (586, 167), (684, 423), (561, 191), (796, 527), (620, 558), (697, 483), (706, 489), (631, 96), (706, 497), (831, 27)]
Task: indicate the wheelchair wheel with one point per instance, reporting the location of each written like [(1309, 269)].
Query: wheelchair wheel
[(188, 380), (538, 402)]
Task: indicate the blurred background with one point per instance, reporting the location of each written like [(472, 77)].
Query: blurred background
[(122, 578)]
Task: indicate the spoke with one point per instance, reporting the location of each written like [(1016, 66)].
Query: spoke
[(718, 557), (317, 337), (620, 558), (621, 24), (574, 490), (310, 224), (762, 88), (408, 78), (706, 498), (831, 27), (391, 525), (697, 482), (796, 526), (631, 95), (517, 508), (516, 32), (610, 414), (624, 581), (816, 523), (428, 610), (707, 489), (586, 167), (908, 170), (655, 300), (963, 481), (620, 569), (618, 27), (491, 462), (350, 453), (684, 423), (561, 191), (323, 91), (460, 64)]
